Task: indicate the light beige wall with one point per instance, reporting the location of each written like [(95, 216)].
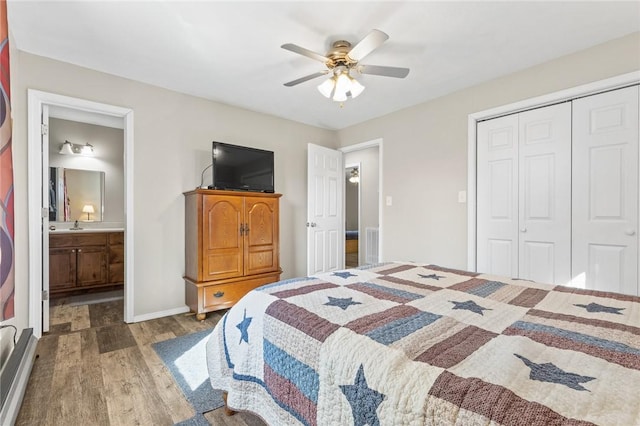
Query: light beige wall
[(425, 150), (350, 201), (108, 157), (424, 161), (173, 134), (369, 185)]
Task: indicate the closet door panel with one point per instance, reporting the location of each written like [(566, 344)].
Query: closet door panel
[(544, 187), (605, 191), (497, 249)]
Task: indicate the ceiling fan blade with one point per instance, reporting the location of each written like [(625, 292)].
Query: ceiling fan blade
[(372, 41), (306, 78), (384, 71), (304, 52)]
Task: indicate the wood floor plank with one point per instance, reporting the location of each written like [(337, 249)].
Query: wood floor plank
[(147, 332), (93, 406), (114, 337), (175, 403), (130, 392), (73, 383), (218, 417), (76, 316), (80, 317), (107, 313), (190, 323), (38, 393), (65, 386)]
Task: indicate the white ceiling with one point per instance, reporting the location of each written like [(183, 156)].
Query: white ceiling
[(229, 51)]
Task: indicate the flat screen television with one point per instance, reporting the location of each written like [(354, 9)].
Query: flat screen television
[(240, 168)]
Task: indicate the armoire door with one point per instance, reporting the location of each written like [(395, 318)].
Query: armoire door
[(261, 234), (222, 241), (605, 191), (524, 195)]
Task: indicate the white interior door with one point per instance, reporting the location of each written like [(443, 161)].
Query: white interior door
[(544, 183), (45, 218), (605, 191), (497, 195), (325, 224)]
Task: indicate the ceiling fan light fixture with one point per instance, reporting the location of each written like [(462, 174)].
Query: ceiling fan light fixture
[(326, 88), (342, 58), (343, 86), (356, 88)]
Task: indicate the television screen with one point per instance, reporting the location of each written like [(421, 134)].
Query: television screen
[(241, 168)]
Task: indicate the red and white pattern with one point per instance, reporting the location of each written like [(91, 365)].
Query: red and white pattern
[(7, 254)]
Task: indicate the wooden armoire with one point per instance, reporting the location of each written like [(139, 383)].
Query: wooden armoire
[(231, 246)]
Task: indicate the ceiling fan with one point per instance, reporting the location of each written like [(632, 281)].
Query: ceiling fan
[(340, 61)]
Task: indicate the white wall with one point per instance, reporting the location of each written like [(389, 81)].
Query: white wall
[(173, 134), (108, 157), (425, 154)]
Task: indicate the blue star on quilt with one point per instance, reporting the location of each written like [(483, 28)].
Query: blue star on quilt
[(432, 276), (548, 372), (243, 326), (343, 303), (594, 307), (364, 401), (470, 305), (345, 274)]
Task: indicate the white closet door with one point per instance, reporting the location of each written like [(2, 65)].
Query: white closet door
[(497, 196), (605, 191), (545, 194)]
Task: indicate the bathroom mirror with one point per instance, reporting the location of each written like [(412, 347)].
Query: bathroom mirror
[(75, 195)]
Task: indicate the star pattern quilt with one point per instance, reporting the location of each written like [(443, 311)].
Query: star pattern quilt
[(410, 344)]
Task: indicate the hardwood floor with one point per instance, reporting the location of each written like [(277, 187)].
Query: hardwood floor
[(93, 369), (351, 260)]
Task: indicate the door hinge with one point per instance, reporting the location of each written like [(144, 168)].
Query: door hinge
[(44, 212), (45, 295), (44, 129)]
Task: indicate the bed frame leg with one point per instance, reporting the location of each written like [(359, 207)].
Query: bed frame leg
[(227, 411)]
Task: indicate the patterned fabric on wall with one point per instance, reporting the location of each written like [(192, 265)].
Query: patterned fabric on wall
[(7, 264)]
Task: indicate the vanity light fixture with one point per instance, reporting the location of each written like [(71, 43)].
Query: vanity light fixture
[(87, 149), (68, 148), (355, 176)]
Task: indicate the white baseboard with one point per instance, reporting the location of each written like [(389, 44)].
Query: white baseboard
[(12, 405), (160, 314)]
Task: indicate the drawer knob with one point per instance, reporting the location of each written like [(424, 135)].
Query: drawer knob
[(219, 294)]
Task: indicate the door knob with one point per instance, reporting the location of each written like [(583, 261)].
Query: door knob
[(630, 232), (313, 224), (523, 229)]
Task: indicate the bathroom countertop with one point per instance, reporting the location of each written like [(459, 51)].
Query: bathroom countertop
[(83, 230)]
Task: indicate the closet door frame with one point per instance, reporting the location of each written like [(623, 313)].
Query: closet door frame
[(593, 88)]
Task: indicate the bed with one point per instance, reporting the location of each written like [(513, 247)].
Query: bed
[(411, 344)]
